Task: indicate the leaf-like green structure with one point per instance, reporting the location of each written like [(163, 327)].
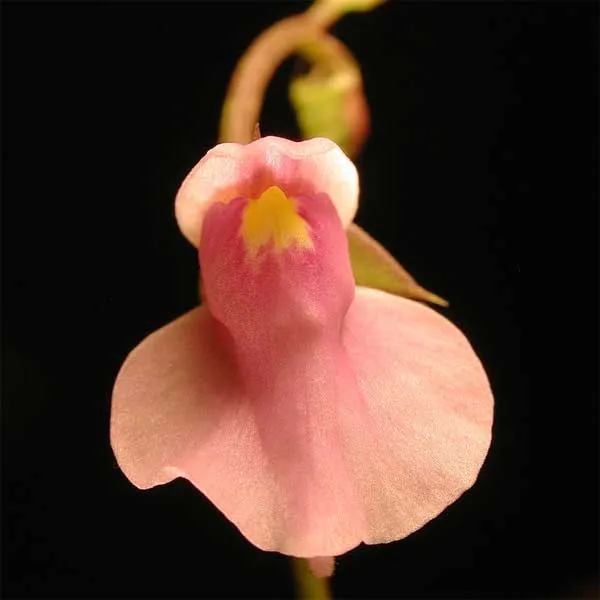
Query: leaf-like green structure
[(320, 108), (373, 266)]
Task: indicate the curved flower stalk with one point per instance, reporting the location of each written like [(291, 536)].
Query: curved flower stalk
[(314, 414), (329, 100)]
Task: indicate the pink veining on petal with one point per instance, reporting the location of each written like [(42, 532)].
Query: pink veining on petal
[(315, 419), (231, 170)]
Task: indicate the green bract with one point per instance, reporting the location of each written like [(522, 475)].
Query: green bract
[(373, 266)]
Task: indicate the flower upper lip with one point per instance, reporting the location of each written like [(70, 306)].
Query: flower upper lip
[(226, 171)]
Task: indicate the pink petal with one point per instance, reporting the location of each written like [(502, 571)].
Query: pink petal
[(269, 459), (376, 437), (232, 170), (169, 395), (427, 414)]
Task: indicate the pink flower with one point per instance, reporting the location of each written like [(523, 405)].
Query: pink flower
[(314, 414)]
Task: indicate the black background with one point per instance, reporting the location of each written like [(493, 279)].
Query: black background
[(480, 176)]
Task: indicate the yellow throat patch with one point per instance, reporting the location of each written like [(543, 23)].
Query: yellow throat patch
[(274, 216)]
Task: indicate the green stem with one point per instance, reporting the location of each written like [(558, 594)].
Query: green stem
[(254, 71), (304, 34), (310, 587)]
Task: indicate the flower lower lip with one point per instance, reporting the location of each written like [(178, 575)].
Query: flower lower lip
[(387, 443)]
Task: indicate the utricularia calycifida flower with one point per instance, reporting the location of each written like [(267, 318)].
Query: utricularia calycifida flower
[(313, 413)]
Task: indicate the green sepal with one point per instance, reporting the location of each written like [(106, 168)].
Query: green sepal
[(331, 105), (373, 266)]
